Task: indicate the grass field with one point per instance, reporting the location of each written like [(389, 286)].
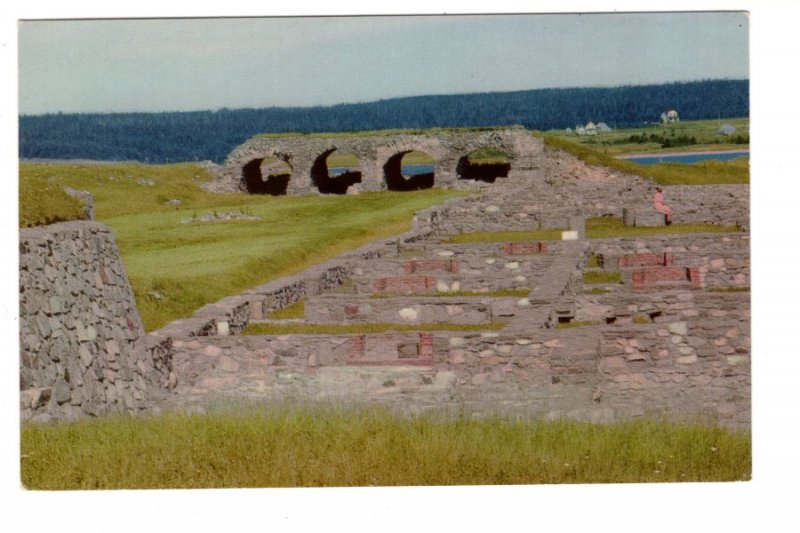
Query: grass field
[(708, 172), (176, 266), (616, 142), (613, 227), (288, 446), (41, 203), (596, 228)]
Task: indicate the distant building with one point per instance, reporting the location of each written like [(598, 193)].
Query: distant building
[(727, 129), (670, 116), (568, 130), (602, 127), (580, 130), (590, 128)]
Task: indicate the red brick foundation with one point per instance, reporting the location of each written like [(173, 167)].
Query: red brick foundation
[(424, 351), (655, 278), (525, 248)]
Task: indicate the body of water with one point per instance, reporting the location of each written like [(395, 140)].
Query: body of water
[(407, 170), (687, 158)]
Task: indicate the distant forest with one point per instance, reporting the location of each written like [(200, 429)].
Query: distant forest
[(211, 135)]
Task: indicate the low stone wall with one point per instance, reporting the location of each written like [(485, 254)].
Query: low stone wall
[(83, 350), (416, 310), (692, 371), (686, 370), (667, 305)]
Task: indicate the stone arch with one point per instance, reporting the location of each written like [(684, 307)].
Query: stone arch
[(497, 166), (326, 183), (254, 182), (396, 181)]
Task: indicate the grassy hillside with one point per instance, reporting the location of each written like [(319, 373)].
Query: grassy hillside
[(704, 132), (703, 173), (308, 447), (41, 202), (176, 265)]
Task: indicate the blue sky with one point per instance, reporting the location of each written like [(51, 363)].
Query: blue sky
[(191, 64)]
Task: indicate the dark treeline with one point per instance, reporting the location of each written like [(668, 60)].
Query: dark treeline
[(202, 135)]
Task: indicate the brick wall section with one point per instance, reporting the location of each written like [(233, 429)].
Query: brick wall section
[(657, 278), (357, 346), (723, 260), (83, 350), (430, 265), (525, 248)]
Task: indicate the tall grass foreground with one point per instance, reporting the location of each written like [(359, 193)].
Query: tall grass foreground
[(337, 446)]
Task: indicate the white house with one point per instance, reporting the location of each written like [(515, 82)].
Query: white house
[(727, 129), (670, 116)]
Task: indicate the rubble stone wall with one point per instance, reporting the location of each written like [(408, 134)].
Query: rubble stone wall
[(83, 350), (682, 370)]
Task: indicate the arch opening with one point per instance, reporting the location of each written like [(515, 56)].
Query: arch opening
[(484, 164), (410, 170), (333, 171), (267, 175)]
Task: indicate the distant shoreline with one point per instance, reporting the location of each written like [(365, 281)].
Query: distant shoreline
[(80, 161), (671, 154)]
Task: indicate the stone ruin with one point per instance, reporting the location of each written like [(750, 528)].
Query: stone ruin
[(379, 156), (668, 337)]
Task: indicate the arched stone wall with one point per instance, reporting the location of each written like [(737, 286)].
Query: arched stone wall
[(377, 153), (482, 172), (320, 176)]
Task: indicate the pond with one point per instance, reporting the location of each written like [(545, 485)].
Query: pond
[(686, 158), (407, 170)]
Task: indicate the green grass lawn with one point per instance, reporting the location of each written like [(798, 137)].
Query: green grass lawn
[(41, 202), (613, 227), (505, 236), (596, 228), (597, 277), (708, 172), (176, 268), (309, 447), (293, 311)]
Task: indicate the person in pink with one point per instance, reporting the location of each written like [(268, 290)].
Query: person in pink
[(661, 207)]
